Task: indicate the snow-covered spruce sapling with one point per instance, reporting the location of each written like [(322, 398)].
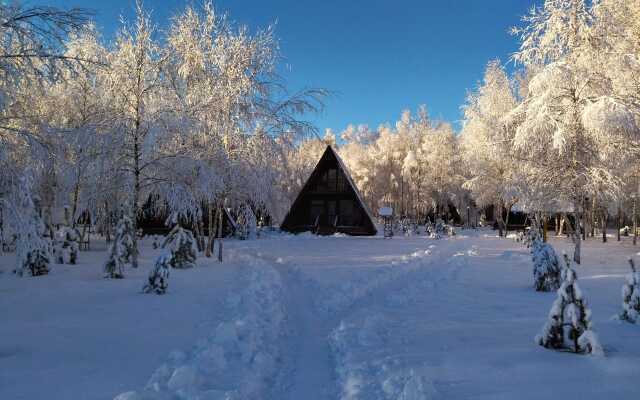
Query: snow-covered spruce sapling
[(247, 224), (183, 248), (67, 245), (158, 280), (546, 267), (631, 296), (569, 325), (33, 249), (121, 250)]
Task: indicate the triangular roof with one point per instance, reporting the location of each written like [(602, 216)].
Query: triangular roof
[(327, 156)]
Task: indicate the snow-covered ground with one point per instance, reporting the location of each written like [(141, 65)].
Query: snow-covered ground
[(302, 317)]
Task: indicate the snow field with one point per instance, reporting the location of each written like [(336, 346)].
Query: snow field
[(240, 359), (316, 318)]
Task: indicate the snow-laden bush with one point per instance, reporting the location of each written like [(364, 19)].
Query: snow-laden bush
[(247, 224), (67, 245), (569, 325), (183, 247), (546, 267), (159, 275), (156, 242), (631, 296), (438, 229), (33, 249), (531, 236), (121, 250)]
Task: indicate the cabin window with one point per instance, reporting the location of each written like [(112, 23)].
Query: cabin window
[(331, 211), (342, 183), (317, 208), (346, 212), (332, 179)]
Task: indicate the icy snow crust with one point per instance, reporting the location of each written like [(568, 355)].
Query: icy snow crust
[(302, 317)]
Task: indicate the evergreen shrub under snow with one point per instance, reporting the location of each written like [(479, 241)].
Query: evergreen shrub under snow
[(33, 249), (182, 245), (247, 223), (569, 325), (631, 296), (159, 276), (546, 267), (121, 250), (67, 245)]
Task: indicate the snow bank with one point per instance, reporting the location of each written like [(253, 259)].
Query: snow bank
[(240, 358)]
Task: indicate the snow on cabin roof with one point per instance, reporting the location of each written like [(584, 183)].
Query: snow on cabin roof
[(347, 173)]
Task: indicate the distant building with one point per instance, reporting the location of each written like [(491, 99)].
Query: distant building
[(329, 202)]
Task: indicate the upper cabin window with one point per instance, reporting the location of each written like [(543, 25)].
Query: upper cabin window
[(331, 181)]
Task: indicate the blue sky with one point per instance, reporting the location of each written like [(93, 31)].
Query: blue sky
[(380, 57)]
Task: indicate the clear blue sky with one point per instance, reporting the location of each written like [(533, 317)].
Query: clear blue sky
[(379, 56)]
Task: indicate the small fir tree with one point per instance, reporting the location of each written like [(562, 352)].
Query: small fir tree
[(67, 245), (247, 224), (631, 296), (159, 275), (569, 325), (546, 267), (183, 248), (33, 249), (121, 250)]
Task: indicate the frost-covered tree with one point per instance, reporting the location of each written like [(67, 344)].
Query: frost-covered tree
[(133, 86), (247, 224), (67, 245), (546, 266), (631, 296), (486, 142), (158, 280), (182, 245), (122, 249), (33, 249), (569, 325), (570, 126)]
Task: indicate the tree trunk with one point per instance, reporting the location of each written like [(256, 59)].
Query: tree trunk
[(499, 218), (635, 223), (220, 210), (506, 225), (545, 227), (579, 232), (197, 230), (619, 223), (209, 246), (604, 226), (136, 194)]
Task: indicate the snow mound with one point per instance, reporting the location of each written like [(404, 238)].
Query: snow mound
[(239, 360)]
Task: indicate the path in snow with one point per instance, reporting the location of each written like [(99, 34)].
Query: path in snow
[(309, 358), (311, 374)]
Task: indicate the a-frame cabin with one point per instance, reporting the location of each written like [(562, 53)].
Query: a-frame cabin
[(329, 202)]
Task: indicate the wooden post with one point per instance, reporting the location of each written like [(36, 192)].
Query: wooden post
[(545, 225)]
